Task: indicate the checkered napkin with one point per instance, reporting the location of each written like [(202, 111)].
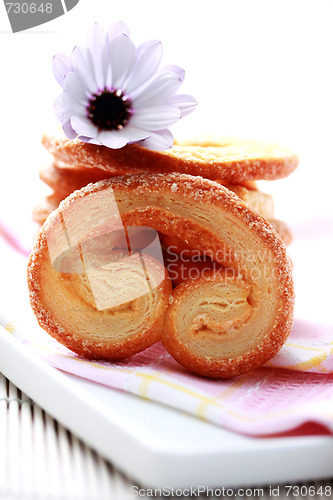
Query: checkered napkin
[(293, 388)]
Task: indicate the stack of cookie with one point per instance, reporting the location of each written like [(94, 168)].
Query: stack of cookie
[(233, 163), (221, 297)]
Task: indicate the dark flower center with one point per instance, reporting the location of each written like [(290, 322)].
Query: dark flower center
[(109, 109)]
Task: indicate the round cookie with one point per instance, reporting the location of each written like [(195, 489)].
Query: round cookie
[(64, 180), (232, 162)]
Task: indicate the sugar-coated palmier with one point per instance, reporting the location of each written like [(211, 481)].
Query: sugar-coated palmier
[(232, 162), (227, 323)]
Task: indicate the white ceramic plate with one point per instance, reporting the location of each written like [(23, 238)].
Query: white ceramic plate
[(158, 446)]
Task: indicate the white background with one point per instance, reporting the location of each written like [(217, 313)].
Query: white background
[(259, 69)]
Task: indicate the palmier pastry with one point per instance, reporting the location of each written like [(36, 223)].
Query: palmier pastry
[(233, 162), (229, 322)]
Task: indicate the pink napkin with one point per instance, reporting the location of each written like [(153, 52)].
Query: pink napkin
[(265, 401), (293, 388)]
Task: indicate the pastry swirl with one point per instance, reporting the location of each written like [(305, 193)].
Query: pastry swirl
[(220, 325)]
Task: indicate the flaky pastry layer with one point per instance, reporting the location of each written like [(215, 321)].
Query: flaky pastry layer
[(222, 325)]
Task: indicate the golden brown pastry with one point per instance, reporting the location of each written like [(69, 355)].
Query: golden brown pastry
[(233, 162), (221, 325), (283, 230), (182, 267), (257, 200), (89, 289), (64, 180), (260, 202), (43, 209)]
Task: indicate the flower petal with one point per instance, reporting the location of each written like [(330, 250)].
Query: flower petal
[(69, 132), (108, 77), (72, 102), (61, 66), (65, 105), (83, 126), (74, 86), (155, 118), (122, 54), (98, 46), (148, 59), (75, 104), (112, 139), (159, 90), (78, 59), (60, 107), (158, 141), (117, 29), (173, 68), (96, 38), (135, 134), (186, 103), (84, 138), (83, 65)]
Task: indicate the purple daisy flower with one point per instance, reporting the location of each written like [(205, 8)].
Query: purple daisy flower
[(115, 93)]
